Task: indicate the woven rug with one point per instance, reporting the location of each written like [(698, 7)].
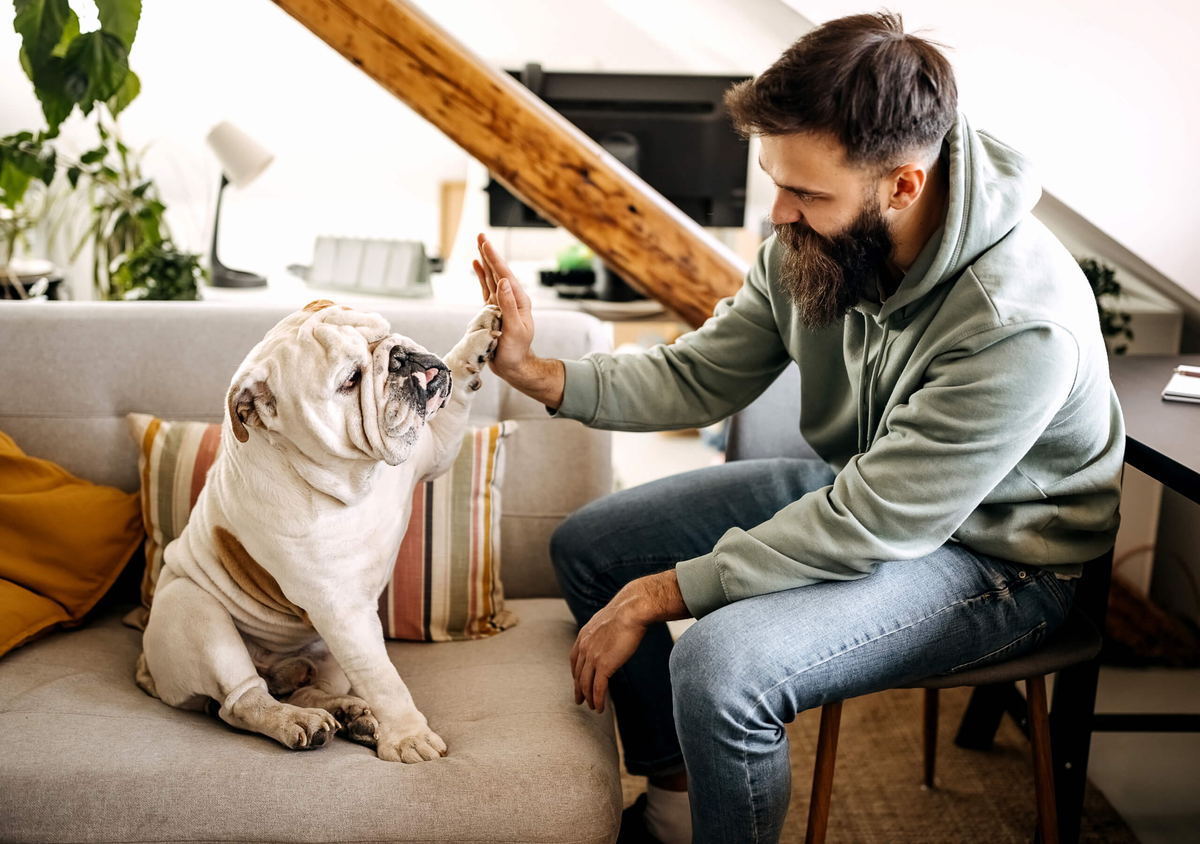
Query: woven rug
[(878, 797)]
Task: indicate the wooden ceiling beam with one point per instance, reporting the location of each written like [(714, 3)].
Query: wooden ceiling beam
[(532, 150)]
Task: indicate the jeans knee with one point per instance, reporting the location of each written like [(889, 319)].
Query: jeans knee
[(721, 680), (572, 555), (565, 545), (703, 681)]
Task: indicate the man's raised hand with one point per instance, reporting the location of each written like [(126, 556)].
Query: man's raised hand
[(499, 286)]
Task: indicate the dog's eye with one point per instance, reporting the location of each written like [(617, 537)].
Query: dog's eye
[(350, 383)]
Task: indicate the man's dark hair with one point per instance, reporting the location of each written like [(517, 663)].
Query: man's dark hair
[(881, 93)]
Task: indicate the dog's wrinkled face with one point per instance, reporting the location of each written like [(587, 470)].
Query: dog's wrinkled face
[(335, 381)]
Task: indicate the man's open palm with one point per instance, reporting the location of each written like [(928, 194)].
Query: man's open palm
[(500, 287)]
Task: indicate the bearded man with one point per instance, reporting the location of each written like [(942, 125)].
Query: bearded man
[(954, 382)]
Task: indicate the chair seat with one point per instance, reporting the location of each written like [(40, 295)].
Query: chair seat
[(1076, 641)]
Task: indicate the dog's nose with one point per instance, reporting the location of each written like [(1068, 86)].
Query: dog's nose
[(396, 359)]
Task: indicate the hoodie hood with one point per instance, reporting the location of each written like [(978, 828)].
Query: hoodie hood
[(992, 187)]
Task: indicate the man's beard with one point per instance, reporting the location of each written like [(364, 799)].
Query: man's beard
[(827, 276)]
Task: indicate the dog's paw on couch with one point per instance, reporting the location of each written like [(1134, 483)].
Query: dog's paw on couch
[(409, 740)]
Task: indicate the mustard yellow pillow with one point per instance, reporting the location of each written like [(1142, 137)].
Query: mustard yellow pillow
[(63, 541)]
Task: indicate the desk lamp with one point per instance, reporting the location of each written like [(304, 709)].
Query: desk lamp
[(242, 159)]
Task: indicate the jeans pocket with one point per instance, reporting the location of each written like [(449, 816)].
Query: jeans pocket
[(1062, 590), (1026, 642)]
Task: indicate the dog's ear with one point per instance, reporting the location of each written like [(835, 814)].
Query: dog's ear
[(319, 305), (251, 403)]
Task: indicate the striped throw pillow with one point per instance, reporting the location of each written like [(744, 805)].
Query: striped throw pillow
[(445, 583)]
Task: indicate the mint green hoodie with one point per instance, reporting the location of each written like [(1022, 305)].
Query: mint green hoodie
[(973, 405)]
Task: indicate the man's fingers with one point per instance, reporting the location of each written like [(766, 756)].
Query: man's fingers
[(600, 690), (483, 285), (493, 258), (498, 270), (488, 277), (576, 665), (508, 304), (522, 298), (586, 679)]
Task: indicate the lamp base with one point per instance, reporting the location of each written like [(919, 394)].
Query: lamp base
[(222, 276)]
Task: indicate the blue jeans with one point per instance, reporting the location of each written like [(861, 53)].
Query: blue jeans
[(719, 698)]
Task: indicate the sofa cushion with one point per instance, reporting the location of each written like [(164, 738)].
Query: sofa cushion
[(445, 582), (89, 757)]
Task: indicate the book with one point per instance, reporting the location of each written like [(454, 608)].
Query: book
[(1184, 385)]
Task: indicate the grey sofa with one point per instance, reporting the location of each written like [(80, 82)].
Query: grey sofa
[(87, 757)]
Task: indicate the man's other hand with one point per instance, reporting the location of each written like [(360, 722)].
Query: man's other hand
[(604, 644), (612, 635)]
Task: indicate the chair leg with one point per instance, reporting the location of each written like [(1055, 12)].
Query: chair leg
[(931, 728), (1071, 737), (987, 706), (1043, 765), (822, 787)]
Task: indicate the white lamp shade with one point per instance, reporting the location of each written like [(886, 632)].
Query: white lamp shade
[(242, 158)]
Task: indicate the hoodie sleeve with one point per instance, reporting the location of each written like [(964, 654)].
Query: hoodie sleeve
[(704, 376), (983, 405)]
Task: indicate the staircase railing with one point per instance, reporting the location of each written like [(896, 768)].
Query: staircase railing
[(532, 150)]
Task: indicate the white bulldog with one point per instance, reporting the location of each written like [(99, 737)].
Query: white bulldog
[(273, 586)]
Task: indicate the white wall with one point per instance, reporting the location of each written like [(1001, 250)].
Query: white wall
[(350, 158), (1100, 93)]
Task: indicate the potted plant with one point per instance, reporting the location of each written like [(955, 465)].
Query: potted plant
[(1113, 323), (126, 229)]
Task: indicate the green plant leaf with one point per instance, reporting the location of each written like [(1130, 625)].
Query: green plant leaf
[(47, 159), (94, 156), (33, 159), (53, 82), (70, 33), (13, 182), (130, 88), (104, 62), (40, 24), (25, 65), (73, 174), (120, 18)]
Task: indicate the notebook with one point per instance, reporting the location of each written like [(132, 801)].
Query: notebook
[(1184, 385)]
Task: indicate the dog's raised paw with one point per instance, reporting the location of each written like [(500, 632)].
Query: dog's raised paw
[(484, 334)]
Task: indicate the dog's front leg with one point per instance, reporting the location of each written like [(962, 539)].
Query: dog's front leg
[(466, 361), (356, 641)]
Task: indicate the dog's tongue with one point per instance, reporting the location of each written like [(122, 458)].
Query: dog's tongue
[(423, 378)]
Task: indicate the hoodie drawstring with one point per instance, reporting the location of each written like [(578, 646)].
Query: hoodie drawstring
[(862, 380), (866, 427)]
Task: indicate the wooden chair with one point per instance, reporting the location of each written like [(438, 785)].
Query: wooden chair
[(1076, 642)]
